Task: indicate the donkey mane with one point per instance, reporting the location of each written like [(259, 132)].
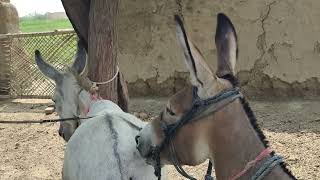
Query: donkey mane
[(234, 81)]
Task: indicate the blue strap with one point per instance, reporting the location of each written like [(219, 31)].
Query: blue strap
[(266, 168)]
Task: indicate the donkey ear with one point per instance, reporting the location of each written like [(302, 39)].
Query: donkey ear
[(47, 69), (227, 46), (80, 61), (189, 60)]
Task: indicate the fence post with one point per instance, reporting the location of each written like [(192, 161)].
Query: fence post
[(9, 23)]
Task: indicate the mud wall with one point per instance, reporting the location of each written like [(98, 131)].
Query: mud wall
[(9, 19), (9, 23), (279, 43)]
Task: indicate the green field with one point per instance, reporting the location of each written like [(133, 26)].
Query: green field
[(41, 25)]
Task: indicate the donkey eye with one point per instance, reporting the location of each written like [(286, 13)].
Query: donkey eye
[(170, 111)]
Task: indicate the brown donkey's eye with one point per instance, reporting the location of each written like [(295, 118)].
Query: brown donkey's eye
[(170, 112)]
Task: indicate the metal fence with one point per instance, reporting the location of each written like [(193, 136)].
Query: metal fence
[(25, 79)]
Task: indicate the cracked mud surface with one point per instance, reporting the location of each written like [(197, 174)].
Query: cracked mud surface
[(36, 151), (278, 44)]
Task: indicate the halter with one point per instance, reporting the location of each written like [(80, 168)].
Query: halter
[(201, 108)]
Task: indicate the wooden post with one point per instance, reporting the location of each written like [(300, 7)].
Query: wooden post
[(103, 45), (95, 23)]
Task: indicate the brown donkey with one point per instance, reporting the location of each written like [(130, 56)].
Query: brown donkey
[(211, 119)]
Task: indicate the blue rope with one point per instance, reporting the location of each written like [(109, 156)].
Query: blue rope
[(266, 168)]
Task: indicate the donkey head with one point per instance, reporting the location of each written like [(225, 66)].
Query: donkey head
[(190, 141), (67, 103)]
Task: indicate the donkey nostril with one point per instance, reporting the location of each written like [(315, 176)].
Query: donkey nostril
[(137, 139)]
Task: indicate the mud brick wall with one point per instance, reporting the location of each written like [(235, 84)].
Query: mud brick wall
[(9, 23), (279, 43)]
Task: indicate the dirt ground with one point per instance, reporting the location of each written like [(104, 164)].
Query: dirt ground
[(36, 151)]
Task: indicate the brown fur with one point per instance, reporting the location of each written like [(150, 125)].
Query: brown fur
[(227, 132), (228, 136)]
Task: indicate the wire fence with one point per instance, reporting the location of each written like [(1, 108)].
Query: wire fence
[(24, 79)]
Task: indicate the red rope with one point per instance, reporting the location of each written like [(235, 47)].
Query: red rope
[(252, 163)]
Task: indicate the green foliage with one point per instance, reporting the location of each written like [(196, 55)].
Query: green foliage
[(41, 24)]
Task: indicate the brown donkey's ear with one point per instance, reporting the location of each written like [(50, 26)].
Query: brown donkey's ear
[(227, 46), (186, 47)]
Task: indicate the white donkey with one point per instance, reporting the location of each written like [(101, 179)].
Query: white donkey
[(103, 147)]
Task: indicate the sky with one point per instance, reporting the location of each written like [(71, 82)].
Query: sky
[(26, 7)]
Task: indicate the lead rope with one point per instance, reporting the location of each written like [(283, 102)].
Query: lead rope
[(177, 164), (267, 167), (179, 168), (108, 81), (42, 121), (94, 89), (170, 130)]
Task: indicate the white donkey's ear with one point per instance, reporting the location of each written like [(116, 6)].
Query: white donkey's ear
[(80, 61), (47, 69), (227, 46)]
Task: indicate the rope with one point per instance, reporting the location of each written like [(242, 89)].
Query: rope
[(199, 106), (108, 81), (177, 164), (180, 169), (252, 163), (267, 167), (42, 121)]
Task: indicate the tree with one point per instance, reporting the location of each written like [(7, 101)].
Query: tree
[(95, 23)]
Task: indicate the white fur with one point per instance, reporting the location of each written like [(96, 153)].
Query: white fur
[(90, 155), (148, 138), (102, 147)]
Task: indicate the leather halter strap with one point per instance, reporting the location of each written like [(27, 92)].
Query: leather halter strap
[(200, 108)]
